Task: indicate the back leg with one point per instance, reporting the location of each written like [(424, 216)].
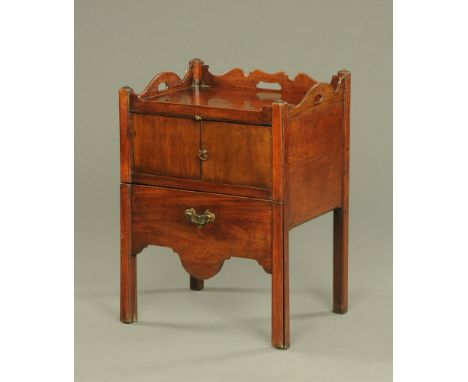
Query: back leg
[(196, 284)]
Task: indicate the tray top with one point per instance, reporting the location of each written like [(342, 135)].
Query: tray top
[(226, 98), (233, 96)]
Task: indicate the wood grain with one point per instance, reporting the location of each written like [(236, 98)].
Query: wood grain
[(237, 154), (341, 215), (260, 117), (196, 69), (314, 162), (242, 227), (171, 81), (128, 269), (278, 146), (280, 281), (319, 94), (199, 185), (237, 78), (125, 131), (276, 159), (166, 146)]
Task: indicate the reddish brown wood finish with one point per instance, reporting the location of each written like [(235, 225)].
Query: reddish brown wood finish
[(198, 185), (280, 280), (237, 154), (237, 78), (314, 162), (275, 159), (166, 146), (171, 82), (260, 117), (242, 227), (196, 68), (128, 288), (240, 99), (124, 118), (280, 251), (279, 147), (341, 215)]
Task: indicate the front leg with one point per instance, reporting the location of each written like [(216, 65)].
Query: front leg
[(128, 266), (280, 281)]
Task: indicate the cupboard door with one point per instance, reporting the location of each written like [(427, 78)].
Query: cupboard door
[(237, 154), (166, 146)]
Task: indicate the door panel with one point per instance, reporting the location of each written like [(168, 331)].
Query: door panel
[(237, 154), (166, 146)]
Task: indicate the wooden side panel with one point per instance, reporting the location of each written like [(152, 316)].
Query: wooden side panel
[(166, 146), (242, 227), (314, 162), (237, 154)]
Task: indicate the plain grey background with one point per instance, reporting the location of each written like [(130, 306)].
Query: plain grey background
[(223, 333)]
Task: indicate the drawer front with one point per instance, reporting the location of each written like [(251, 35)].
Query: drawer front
[(237, 154), (204, 229), (165, 146)]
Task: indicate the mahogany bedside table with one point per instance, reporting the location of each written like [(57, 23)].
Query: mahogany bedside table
[(216, 166)]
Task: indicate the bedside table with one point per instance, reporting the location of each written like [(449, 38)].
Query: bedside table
[(217, 166)]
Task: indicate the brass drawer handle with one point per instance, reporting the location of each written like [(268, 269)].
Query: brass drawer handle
[(199, 220), (203, 154)]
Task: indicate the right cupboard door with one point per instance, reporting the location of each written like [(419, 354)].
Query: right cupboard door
[(237, 154)]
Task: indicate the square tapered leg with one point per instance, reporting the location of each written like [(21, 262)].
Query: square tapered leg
[(340, 260), (280, 282), (128, 271)]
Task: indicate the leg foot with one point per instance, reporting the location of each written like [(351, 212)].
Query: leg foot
[(340, 309), (196, 284)]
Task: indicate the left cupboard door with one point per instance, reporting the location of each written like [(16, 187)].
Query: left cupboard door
[(166, 146)]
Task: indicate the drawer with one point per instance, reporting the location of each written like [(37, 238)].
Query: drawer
[(208, 151), (203, 229)]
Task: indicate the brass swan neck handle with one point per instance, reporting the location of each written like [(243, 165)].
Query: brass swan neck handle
[(199, 220)]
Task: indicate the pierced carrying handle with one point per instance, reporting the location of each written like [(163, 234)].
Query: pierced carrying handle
[(199, 220), (259, 77), (168, 79)]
